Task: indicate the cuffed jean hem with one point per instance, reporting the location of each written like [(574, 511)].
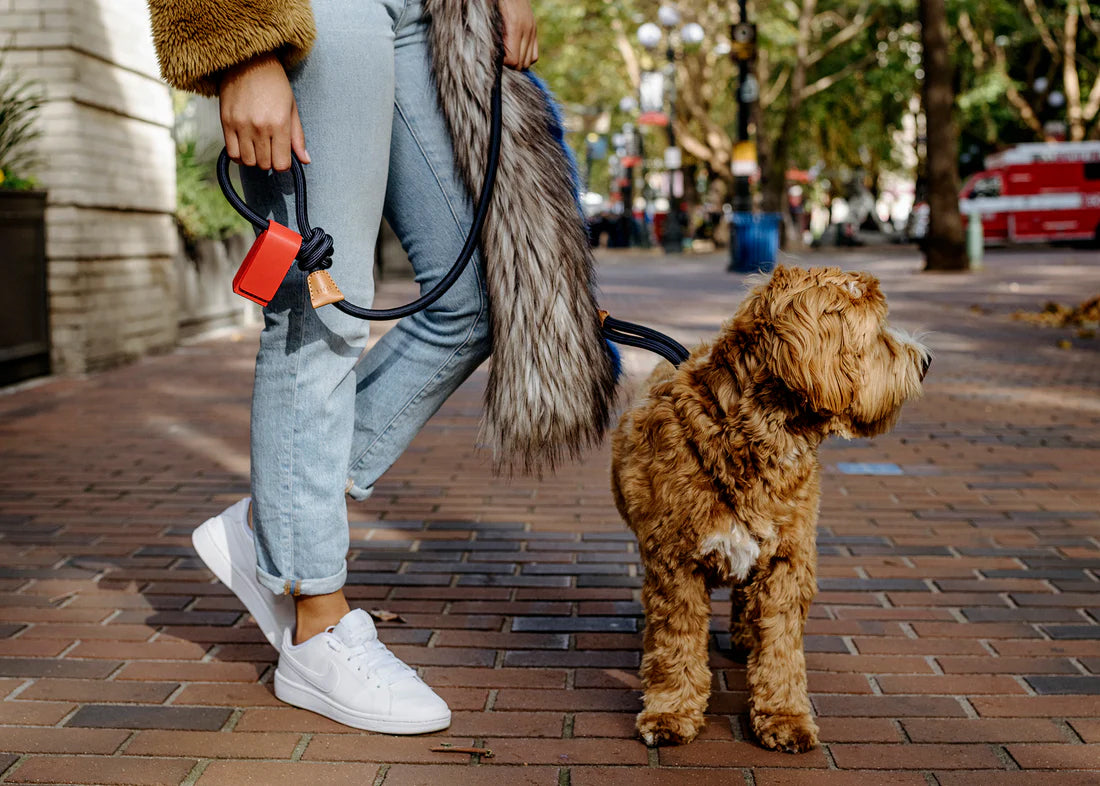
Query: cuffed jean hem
[(358, 493), (302, 586)]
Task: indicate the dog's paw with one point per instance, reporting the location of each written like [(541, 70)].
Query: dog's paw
[(668, 727), (787, 733)]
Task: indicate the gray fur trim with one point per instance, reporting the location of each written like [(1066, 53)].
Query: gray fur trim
[(552, 382)]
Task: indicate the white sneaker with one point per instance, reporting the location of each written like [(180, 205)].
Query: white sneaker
[(348, 675), (225, 544)]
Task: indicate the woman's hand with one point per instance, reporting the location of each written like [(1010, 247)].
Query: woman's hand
[(260, 116), (521, 45)]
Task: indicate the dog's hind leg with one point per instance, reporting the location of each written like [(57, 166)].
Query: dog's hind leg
[(742, 637), (675, 674), (778, 601)]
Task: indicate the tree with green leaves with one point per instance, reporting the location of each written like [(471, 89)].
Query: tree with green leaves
[(1028, 68)]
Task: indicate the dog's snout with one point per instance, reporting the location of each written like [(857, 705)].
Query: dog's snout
[(925, 363)]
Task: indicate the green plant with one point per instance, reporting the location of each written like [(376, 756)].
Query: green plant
[(20, 100), (202, 211)]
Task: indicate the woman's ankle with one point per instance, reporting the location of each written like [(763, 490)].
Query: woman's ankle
[(316, 613)]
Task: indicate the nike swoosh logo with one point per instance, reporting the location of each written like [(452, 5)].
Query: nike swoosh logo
[(325, 681)]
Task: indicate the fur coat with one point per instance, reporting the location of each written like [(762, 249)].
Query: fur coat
[(552, 378)]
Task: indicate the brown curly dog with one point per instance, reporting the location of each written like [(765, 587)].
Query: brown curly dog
[(716, 472)]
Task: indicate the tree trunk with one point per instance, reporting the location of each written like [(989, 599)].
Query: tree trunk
[(943, 245)]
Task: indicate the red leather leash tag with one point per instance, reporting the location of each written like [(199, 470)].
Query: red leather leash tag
[(267, 263)]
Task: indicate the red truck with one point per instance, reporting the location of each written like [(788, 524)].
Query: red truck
[(1036, 193)]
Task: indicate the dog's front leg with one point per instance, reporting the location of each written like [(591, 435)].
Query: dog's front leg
[(675, 674), (777, 603)]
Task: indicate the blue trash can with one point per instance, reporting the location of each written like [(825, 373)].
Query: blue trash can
[(754, 244)]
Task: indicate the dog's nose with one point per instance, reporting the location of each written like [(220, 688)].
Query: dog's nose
[(925, 363)]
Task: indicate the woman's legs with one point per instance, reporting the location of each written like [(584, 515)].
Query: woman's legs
[(320, 414), (415, 366), (303, 405)]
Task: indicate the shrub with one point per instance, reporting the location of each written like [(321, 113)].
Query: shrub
[(20, 101), (202, 210)]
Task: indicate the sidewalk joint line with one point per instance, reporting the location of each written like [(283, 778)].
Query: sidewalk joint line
[(1004, 757), (232, 721), (196, 772), (1068, 732), (15, 765), (1024, 684), (126, 743), (300, 748)]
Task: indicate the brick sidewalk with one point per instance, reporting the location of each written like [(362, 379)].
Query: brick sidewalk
[(955, 639)]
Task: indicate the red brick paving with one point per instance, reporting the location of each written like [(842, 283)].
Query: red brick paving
[(955, 640)]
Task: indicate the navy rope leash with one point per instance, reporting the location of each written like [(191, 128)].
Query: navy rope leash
[(315, 253), (632, 335)]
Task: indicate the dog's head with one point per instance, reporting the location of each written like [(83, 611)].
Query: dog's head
[(823, 334)]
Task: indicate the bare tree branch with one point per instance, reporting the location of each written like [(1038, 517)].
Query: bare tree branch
[(703, 152), (860, 22), (1070, 82), (970, 35), (768, 97), (1041, 27), (1092, 106), (1090, 23), (630, 58), (825, 82), (1027, 114)]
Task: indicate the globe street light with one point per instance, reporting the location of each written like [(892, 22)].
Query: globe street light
[(692, 33)]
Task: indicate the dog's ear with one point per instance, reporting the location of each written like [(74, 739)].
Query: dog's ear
[(812, 352)]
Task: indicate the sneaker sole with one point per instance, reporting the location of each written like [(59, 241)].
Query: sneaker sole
[(308, 698), (246, 588)]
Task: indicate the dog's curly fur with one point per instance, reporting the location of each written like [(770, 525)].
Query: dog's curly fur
[(716, 471)]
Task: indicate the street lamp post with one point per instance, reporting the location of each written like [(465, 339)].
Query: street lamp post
[(649, 35), (743, 35), (743, 51)]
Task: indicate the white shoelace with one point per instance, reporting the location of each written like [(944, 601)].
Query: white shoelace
[(374, 658)]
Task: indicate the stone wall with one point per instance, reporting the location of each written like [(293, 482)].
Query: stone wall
[(109, 169)]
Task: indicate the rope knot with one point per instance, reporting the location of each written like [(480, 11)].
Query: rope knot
[(316, 251)]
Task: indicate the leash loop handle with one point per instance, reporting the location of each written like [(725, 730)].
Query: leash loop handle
[(317, 246)]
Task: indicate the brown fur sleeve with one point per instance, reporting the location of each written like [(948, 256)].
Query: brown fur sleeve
[(198, 39)]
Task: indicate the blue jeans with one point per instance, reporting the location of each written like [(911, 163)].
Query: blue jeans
[(327, 419)]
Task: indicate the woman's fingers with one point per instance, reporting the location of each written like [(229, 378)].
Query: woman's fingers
[(520, 44), (298, 137), (248, 152), (261, 143), (232, 145), (280, 149)]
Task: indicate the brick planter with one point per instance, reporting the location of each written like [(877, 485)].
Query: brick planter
[(24, 313)]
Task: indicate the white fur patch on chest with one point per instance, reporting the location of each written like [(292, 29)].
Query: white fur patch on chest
[(736, 546)]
